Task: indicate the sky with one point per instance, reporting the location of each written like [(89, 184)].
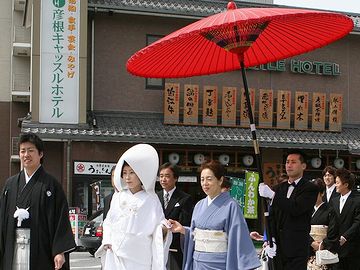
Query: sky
[(335, 5)]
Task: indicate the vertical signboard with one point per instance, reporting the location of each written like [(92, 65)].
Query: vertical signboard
[(228, 110), (237, 191), (210, 104), (301, 110), (59, 61), (251, 195), (171, 103), (244, 117), (191, 104), (266, 108), (335, 112), (283, 109), (318, 111)]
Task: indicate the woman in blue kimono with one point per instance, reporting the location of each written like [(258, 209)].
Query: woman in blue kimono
[(218, 237)]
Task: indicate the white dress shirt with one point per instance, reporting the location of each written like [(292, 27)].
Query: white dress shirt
[(343, 199), (329, 192)]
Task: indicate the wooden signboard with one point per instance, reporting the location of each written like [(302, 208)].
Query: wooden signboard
[(266, 100), (171, 103), (191, 104), (318, 111), (228, 110), (210, 103), (283, 109)]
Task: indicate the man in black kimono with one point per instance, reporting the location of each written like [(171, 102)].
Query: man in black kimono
[(34, 203)]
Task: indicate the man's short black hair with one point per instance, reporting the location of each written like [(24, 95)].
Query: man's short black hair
[(301, 155), (32, 138), (173, 168)]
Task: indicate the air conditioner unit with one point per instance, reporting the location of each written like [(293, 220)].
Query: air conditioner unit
[(20, 96), (19, 5), (21, 49)]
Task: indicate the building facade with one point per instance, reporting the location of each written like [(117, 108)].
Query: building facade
[(118, 110)]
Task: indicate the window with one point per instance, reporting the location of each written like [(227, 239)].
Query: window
[(154, 83)]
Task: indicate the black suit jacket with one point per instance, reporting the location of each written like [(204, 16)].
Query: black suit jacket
[(349, 224), (290, 219), (179, 208)]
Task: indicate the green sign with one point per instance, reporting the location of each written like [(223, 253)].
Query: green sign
[(237, 191), (251, 195)]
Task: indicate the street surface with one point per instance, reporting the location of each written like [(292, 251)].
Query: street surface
[(84, 261)]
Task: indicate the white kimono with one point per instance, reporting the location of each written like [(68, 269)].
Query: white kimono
[(133, 228)]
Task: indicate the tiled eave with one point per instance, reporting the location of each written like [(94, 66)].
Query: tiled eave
[(149, 128), (182, 8)]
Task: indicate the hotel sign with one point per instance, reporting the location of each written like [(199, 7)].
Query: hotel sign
[(59, 61), (303, 67)]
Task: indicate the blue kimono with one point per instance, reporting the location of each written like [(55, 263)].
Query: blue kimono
[(223, 214)]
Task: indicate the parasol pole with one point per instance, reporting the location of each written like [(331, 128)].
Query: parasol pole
[(265, 202)]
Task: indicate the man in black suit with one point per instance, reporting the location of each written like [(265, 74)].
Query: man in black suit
[(177, 205), (329, 179), (290, 214), (347, 211), (107, 199)]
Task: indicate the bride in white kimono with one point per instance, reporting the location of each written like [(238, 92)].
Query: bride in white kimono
[(218, 236), (133, 235)]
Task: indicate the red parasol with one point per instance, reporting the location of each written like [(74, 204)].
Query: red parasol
[(255, 35), (239, 38)]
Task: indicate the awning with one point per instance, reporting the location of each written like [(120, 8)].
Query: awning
[(134, 127)]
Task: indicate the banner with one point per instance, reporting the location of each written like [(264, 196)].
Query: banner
[(171, 103), (59, 62), (228, 109), (318, 111), (191, 104), (301, 110), (210, 104), (335, 112), (266, 108), (283, 109), (251, 195), (237, 191), (244, 117)]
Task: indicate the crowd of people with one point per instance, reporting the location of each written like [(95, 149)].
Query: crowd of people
[(149, 230)]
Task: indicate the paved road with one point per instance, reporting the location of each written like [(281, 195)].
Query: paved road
[(84, 261)]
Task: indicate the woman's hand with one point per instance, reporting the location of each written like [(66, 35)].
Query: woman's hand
[(176, 227), (315, 245)]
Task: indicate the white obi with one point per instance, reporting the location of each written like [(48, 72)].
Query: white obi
[(210, 240)]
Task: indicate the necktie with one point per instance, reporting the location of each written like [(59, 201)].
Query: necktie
[(342, 202), (166, 199)]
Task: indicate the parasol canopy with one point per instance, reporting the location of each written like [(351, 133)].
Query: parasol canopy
[(253, 36)]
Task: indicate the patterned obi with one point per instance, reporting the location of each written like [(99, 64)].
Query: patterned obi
[(210, 240)]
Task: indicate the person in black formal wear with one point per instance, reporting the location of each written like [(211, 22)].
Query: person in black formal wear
[(107, 199), (324, 229), (35, 230), (177, 205), (329, 179), (347, 211), (290, 214)]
